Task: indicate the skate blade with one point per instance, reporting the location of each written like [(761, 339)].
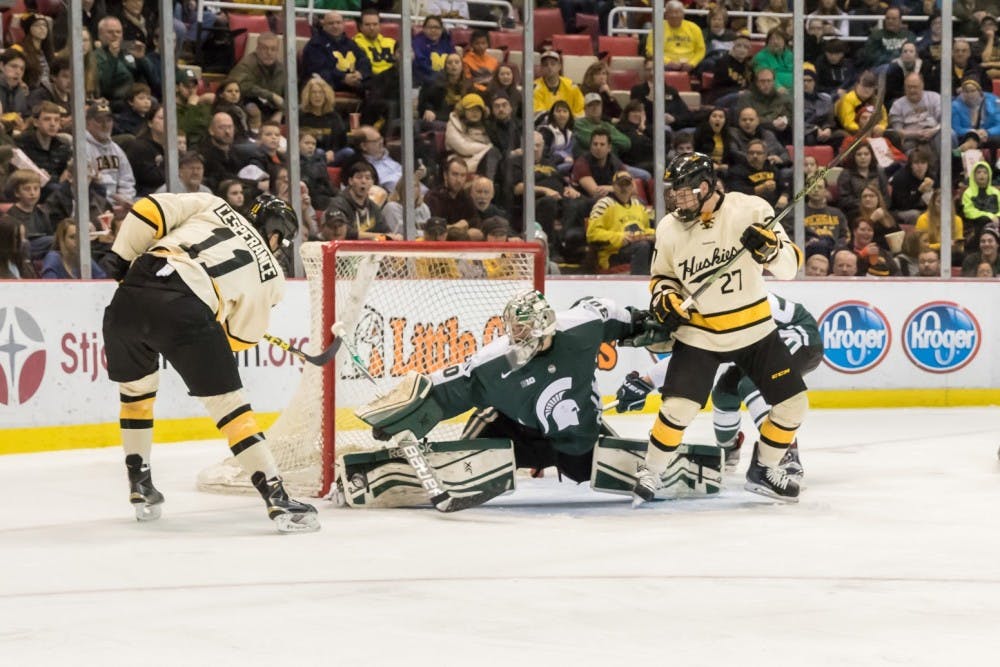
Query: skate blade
[(762, 490), (297, 523), (144, 512)]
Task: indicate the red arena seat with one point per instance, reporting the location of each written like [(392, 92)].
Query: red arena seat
[(618, 45), (573, 45)]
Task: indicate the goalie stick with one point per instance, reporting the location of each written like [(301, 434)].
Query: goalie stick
[(440, 498), (817, 178), (321, 359)]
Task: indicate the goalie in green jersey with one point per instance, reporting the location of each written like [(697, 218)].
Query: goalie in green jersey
[(534, 389)]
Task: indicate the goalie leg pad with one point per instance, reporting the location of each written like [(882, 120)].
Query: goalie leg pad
[(383, 478), (697, 471)]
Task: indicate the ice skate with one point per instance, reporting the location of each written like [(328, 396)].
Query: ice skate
[(732, 452), (145, 499), (791, 464), (646, 484), (289, 515), (771, 482)]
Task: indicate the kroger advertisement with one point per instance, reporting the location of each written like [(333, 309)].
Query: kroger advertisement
[(878, 336)]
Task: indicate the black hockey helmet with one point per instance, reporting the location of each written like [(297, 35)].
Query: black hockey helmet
[(268, 215), (688, 171)]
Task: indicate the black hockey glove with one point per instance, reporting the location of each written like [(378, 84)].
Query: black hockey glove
[(762, 243), (666, 309), (632, 394), (115, 266)]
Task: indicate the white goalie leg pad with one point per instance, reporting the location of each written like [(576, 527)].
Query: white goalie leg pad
[(695, 471), (384, 478)]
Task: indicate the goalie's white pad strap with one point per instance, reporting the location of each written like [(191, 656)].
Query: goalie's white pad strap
[(383, 478), (696, 471)]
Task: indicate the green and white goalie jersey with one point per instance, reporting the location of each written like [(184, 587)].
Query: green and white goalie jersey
[(556, 391)]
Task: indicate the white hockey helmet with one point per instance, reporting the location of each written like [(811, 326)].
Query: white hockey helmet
[(529, 321)]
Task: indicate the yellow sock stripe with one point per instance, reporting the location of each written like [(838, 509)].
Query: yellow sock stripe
[(141, 409), (775, 434), (665, 435), (242, 431)]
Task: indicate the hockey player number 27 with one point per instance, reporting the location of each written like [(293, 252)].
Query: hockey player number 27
[(239, 259), (728, 278)]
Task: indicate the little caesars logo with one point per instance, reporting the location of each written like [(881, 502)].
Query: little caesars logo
[(941, 337), (856, 336)]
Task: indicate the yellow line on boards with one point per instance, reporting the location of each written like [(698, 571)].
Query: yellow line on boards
[(87, 436)]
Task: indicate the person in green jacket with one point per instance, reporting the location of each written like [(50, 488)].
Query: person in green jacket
[(980, 204), (777, 57), (593, 111)]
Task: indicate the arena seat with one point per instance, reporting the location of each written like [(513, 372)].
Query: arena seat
[(618, 45), (823, 154), (573, 45), (391, 30), (548, 22), (996, 86), (692, 98), (334, 174), (574, 67), (350, 28), (252, 23), (512, 41), (303, 28), (755, 47), (623, 97), (679, 80), (460, 36), (623, 80), (589, 24), (631, 63)]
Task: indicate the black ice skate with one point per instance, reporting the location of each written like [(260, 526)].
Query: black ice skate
[(646, 484), (732, 452), (291, 516), (791, 464), (771, 482), (145, 499)]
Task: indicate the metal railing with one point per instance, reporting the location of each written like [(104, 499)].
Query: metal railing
[(310, 10)]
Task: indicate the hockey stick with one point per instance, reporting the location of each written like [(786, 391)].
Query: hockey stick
[(321, 359), (817, 178), (440, 497)]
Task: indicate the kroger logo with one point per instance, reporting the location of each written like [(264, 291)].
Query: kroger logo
[(941, 337), (856, 336)]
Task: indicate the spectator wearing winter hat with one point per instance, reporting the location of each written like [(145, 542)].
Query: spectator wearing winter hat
[(467, 136), (988, 252), (975, 117)]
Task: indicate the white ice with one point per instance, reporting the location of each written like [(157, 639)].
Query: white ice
[(892, 557)]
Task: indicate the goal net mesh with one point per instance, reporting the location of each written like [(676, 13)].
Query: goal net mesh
[(405, 306)]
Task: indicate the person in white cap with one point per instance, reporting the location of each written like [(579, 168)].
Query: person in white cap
[(552, 86)]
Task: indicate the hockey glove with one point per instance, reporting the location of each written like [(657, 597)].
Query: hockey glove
[(666, 308), (115, 266), (762, 243), (632, 394)]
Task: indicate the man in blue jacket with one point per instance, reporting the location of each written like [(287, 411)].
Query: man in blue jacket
[(336, 58)]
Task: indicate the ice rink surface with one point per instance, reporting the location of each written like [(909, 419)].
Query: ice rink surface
[(892, 557)]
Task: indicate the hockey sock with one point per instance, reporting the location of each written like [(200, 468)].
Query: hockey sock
[(668, 429), (725, 418), (751, 397), (235, 418), (777, 432), (135, 416)]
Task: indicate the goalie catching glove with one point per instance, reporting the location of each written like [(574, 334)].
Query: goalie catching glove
[(632, 394), (762, 243)]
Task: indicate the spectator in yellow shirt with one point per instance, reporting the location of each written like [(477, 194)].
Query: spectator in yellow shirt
[(683, 41), (552, 86), (619, 229)]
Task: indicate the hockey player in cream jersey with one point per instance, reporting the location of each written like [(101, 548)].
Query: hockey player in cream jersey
[(730, 322), (198, 282)]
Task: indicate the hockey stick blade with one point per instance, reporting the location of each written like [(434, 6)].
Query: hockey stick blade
[(817, 178), (321, 359)]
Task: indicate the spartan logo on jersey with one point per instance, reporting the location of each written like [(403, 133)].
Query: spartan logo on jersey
[(369, 341), (703, 266), (253, 241), (552, 404)]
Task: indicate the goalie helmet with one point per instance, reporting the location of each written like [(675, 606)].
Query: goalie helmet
[(270, 215), (529, 321), (688, 171)]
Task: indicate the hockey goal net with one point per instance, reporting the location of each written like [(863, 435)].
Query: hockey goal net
[(406, 306)]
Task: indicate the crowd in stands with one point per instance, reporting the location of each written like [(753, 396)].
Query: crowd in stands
[(729, 95)]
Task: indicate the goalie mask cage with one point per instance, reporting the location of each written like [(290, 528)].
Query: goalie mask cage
[(406, 306)]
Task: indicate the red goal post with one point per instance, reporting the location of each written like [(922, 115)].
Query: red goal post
[(406, 305)]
